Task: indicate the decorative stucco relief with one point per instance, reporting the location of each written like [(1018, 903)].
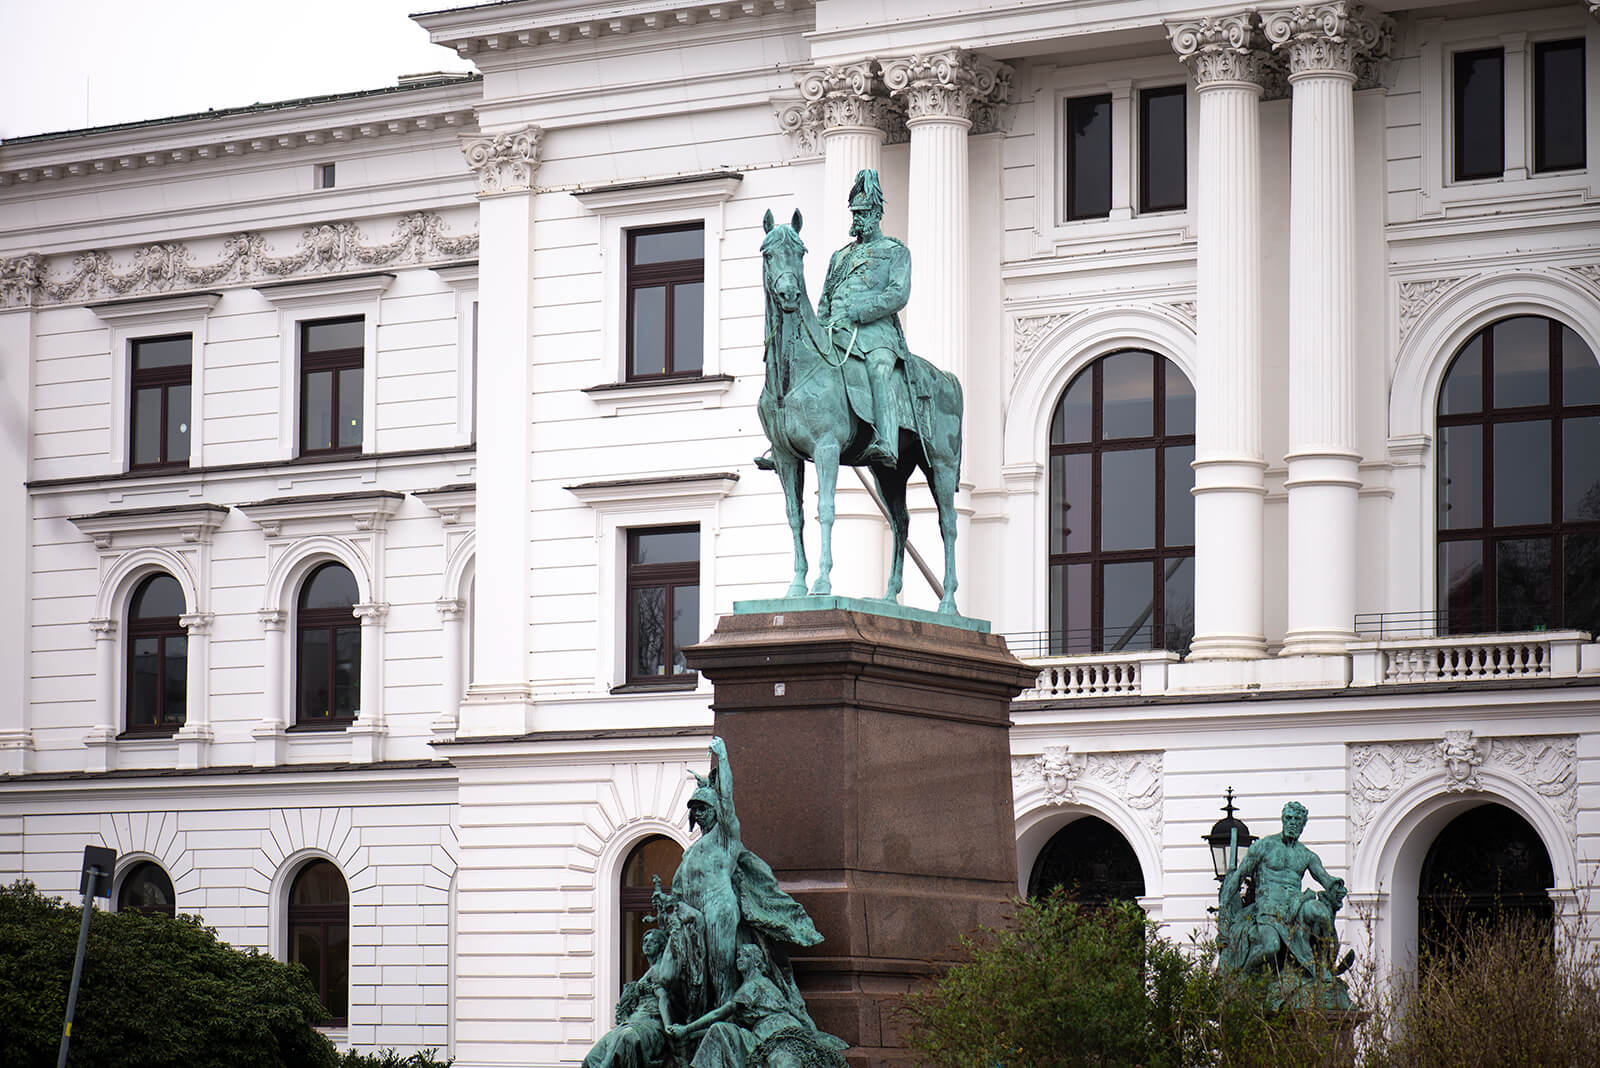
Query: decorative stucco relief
[(1134, 777), (504, 162), (1028, 333), (1417, 297), (33, 280), (1589, 272), (1188, 309), (1547, 764)]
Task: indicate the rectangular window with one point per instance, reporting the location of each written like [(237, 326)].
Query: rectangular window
[(663, 605), (331, 356), (1163, 149), (1088, 162), (1558, 110), (666, 301), (324, 175), (160, 390), (1480, 114)]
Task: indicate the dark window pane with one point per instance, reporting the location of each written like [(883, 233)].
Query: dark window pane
[(1177, 604), (1070, 626), (147, 889), (1460, 477), (1128, 383), (685, 624), (1073, 421), (174, 698), (161, 352), (1128, 500), (330, 586), (1521, 362), (319, 883), (160, 597), (1088, 157), (1522, 584), (647, 609), (1180, 401), (1580, 468), (1521, 473), (1480, 113), (1162, 149), (336, 998), (1461, 600), (177, 424), (147, 426), (306, 948), (1071, 493), (654, 856), (670, 245), (650, 331), (1558, 103), (317, 434), (688, 325), (1179, 501), (313, 657), (1129, 607), (331, 336), (1580, 373), (666, 546), (1581, 582), (1463, 384), (347, 671), (143, 700), (350, 407)]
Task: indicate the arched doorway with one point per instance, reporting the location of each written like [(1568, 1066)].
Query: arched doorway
[(1092, 860), (1488, 863), (657, 855)]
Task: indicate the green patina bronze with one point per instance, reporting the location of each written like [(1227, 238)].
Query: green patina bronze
[(719, 992), (1287, 932), (781, 605), (842, 388)]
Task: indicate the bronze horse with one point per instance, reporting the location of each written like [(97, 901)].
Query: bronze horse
[(811, 410)]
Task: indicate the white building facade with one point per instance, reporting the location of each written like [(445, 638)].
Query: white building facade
[(369, 458)]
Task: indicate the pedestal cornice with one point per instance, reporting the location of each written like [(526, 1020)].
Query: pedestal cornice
[(504, 162), (1337, 39), (1225, 50)]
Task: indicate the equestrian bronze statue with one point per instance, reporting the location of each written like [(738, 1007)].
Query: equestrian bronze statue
[(843, 388)]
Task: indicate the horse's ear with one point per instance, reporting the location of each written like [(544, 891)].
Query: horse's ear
[(766, 224), (797, 220)]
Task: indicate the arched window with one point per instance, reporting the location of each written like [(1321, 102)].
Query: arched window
[(1091, 860), (158, 657), (1486, 865), (319, 934), (1519, 481), (327, 649), (1121, 515), (147, 889), (657, 855)]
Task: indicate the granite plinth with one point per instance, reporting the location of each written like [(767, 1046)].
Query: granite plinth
[(873, 606), (873, 772)]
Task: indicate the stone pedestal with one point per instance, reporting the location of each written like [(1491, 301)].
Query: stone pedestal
[(871, 767)]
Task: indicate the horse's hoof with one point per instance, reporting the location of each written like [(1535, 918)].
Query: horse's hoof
[(797, 589), (947, 608), (822, 589)]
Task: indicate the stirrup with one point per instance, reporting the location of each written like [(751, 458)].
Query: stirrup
[(764, 462)]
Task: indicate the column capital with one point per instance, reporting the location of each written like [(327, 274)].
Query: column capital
[(371, 614), (950, 86), (1337, 38), (451, 608), (272, 618), (505, 162), (849, 96), (1225, 50), (104, 628), (195, 622)]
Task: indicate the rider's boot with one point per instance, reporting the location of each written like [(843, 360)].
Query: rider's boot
[(885, 447), (765, 462)]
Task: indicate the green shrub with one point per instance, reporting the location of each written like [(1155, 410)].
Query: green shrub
[(390, 1059), (155, 991)]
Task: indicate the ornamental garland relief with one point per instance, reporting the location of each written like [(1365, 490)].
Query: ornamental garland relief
[(1133, 777), (34, 280), (1417, 297), (1547, 764)]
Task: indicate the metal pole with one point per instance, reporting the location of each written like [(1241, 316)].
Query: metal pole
[(77, 965)]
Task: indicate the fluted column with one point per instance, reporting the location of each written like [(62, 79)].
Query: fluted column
[(853, 115), (1325, 44), (1230, 62), (500, 699)]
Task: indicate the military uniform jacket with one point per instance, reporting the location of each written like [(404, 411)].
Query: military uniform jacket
[(868, 283)]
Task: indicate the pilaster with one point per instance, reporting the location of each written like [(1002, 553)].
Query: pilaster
[(452, 610), (269, 733), (100, 740), (367, 733), (194, 737), (500, 700)]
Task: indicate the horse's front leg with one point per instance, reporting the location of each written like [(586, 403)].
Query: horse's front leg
[(826, 457), (942, 480), (892, 487), (792, 474)]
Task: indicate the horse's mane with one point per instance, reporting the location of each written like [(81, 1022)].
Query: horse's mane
[(783, 235)]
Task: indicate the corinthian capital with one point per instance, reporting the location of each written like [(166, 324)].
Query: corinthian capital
[(504, 163), (1331, 38), (849, 96), (1224, 50), (952, 85)]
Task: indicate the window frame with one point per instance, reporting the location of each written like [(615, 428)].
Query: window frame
[(135, 869), (330, 621), (164, 379), (161, 628), (334, 361), (670, 577), (1070, 161), (670, 275), (633, 899), (1458, 117), (1142, 152), (1538, 92), (323, 917)]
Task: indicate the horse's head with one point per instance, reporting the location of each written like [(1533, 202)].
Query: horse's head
[(783, 263)]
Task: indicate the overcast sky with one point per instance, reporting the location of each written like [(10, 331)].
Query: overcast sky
[(66, 64)]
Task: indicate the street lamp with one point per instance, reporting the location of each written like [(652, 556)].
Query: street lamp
[(1228, 837)]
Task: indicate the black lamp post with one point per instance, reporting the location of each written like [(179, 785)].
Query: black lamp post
[(1227, 834)]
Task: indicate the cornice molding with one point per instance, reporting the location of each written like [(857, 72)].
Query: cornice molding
[(36, 280), (330, 513), (504, 162), (152, 526)]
